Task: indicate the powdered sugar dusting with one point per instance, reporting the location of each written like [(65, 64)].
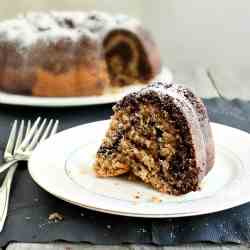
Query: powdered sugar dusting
[(166, 88), (158, 87), (27, 29)]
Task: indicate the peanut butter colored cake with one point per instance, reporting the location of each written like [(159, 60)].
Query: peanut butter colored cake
[(74, 53), (160, 135)]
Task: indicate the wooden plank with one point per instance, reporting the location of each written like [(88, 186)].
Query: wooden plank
[(196, 78), (146, 247), (196, 246), (231, 82), (62, 246), (65, 246), (207, 246)]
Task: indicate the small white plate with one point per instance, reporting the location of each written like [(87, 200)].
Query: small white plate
[(62, 165), (109, 97)]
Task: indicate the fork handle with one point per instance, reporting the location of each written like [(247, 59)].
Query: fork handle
[(7, 165), (5, 195)]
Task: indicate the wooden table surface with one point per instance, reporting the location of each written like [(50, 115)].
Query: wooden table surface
[(205, 82)]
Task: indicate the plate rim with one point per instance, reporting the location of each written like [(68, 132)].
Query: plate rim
[(196, 212), (35, 101)]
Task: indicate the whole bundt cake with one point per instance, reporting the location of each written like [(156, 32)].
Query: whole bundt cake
[(74, 53), (160, 135)]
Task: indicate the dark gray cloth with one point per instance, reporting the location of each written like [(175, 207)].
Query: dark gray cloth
[(30, 205)]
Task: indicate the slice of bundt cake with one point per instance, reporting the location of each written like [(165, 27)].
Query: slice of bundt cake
[(160, 135)]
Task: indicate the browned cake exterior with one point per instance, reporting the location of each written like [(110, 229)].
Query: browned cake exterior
[(74, 53), (161, 135)]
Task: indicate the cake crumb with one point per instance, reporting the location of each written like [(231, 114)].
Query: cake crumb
[(137, 195), (156, 199), (55, 217)]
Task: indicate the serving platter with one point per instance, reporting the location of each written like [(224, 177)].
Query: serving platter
[(111, 96), (63, 166)]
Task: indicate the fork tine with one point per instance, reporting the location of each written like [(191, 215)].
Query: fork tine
[(54, 129), (36, 136), (28, 128), (19, 136), (30, 134), (46, 132), (11, 140)]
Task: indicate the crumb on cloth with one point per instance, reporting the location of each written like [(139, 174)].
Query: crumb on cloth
[(56, 217)]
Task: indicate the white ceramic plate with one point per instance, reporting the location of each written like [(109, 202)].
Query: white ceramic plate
[(109, 97), (62, 165)]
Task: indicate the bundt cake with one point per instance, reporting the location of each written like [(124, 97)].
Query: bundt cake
[(160, 135), (74, 53)]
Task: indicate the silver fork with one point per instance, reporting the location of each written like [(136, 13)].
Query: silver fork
[(19, 148)]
